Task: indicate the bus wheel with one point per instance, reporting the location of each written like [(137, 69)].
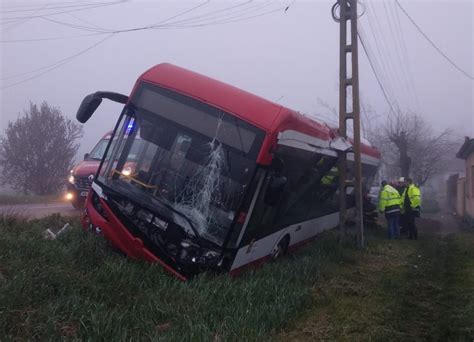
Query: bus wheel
[(281, 248)]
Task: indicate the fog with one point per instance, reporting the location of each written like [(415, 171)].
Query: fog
[(289, 56)]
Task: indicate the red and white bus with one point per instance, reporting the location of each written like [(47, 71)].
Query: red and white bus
[(221, 179)]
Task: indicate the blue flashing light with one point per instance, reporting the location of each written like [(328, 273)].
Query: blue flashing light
[(130, 126)]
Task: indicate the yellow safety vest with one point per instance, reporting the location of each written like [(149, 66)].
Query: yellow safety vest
[(390, 200), (414, 195)]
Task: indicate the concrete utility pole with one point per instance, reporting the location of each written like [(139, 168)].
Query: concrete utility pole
[(349, 81)]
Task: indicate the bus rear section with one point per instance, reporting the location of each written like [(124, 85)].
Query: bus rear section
[(203, 176)]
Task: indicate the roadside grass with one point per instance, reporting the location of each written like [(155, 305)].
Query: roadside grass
[(396, 290), (76, 288), (13, 199)]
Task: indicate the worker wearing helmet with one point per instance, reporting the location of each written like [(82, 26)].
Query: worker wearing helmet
[(411, 203), (390, 204)]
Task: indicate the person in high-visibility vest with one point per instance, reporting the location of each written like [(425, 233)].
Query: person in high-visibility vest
[(390, 204), (411, 206)]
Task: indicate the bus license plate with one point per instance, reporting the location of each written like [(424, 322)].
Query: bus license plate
[(84, 193)]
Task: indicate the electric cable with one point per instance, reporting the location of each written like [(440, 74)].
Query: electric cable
[(84, 8), (51, 8), (384, 62), (237, 19), (22, 21), (465, 73), (376, 66), (399, 30), (375, 73), (229, 15), (171, 25), (387, 52), (396, 46), (59, 63)]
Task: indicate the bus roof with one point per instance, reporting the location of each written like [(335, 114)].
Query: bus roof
[(268, 116)]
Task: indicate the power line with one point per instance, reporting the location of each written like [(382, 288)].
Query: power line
[(397, 46), (41, 8), (83, 8), (59, 63), (96, 30), (238, 18), (5, 4), (432, 43), (391, 61), (375, 64), (22, 21), (225, 19), (85, 21), (399, 30), (50, 38), (230, 11), (375, 73), (384, 63)]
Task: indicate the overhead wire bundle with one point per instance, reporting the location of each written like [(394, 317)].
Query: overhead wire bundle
[(230, 14)]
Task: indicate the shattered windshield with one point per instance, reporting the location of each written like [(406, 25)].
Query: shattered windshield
[(190, 156)]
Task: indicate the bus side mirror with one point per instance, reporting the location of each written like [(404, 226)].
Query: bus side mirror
[(276, 188), (86, 155), (88, 106)]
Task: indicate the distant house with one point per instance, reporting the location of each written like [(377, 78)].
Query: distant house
[(465, 185)]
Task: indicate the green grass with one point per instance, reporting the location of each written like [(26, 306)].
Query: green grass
[(396, 290), (75, 287), (10, 199)]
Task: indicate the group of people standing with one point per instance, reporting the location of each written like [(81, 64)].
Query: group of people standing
[(401, 202)]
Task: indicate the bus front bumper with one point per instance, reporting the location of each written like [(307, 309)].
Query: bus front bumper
[(115, 232)]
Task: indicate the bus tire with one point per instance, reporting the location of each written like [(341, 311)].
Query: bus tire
[(281, 248)]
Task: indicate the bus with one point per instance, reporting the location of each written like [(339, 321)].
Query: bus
[(221, 179)]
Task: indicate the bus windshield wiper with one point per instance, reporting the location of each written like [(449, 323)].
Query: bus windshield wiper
[(170, 207)]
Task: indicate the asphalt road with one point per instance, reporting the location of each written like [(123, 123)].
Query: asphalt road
[(39, 210)]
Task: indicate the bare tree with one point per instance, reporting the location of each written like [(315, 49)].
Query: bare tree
[(38, 149), (410, 146)]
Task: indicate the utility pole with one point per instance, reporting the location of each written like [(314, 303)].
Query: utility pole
[(349, 82)]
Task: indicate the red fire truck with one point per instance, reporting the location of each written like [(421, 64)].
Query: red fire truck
[(221, 179)]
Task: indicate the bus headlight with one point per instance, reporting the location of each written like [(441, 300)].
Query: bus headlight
[(127, 171), (69, 196)]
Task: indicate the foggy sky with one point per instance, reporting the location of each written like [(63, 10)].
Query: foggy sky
[(287, 56)]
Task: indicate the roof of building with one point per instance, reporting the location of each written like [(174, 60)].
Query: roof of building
[(267, 115), (466, 149)]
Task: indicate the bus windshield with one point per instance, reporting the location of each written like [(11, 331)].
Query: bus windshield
[(188, 156)]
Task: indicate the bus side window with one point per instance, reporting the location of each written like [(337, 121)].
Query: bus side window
[(312, 193), (279, 203)]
